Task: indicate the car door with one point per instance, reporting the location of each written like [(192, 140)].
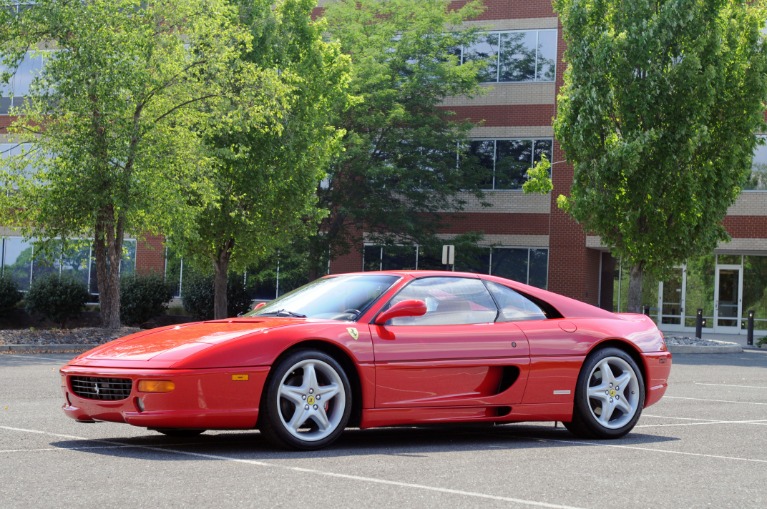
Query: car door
[(456, 354)]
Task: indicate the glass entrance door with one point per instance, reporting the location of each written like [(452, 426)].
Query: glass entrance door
[(672, 300), (728, 298)]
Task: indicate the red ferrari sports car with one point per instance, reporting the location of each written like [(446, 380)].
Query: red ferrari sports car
[(380, 349)]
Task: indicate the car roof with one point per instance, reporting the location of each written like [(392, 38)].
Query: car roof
[(566, 306)]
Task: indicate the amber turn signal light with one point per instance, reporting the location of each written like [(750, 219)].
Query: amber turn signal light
[(155, 386)]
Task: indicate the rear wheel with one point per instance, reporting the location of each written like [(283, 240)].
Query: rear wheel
[(307, 401), (609, 395)]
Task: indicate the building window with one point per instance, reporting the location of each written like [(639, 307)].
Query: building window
[(515, 56), (24, 261), (505, 162), (758, 179), (12, 94), (526, 265)]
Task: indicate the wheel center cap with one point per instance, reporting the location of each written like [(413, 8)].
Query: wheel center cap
[(612, 393), (310, 400)]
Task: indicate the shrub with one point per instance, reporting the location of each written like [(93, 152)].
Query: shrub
[(9, 295), (57, 298), (197, 295), (143, 297)]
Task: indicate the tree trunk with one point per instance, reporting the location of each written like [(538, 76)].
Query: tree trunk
[(635, 288), (108, 244), (220, 283)]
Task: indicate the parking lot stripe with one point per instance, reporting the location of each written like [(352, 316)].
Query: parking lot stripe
[(732, 385), (718, 400), (357, 478), (650, 449)]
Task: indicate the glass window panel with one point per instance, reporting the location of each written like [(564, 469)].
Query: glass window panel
[(514, 306), (671, 310), (398, 258), (174, 269), (755, 289), (128, 261), (518, 56), (371, 258), (729, 259), (74, 261), (547, 55), (472, 259), (449, 301), (29, 68), (542, 147), (758, 179), (510, 263), (513, 159), (484, 151), (539, 268), (17, 261), (47, 259), (430, 258), (485, 48)]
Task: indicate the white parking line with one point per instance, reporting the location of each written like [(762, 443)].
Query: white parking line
[(36, 357), (731, 385), (717, 400), (650, 449), (759, 422), (356, 478)]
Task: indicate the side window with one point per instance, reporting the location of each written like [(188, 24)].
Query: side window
[(449, 301), (514, 306)]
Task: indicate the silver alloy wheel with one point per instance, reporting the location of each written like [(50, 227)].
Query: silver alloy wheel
[(311, 400), (613, 392)]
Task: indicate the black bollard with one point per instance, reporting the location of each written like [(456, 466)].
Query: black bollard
[(699, 323), (750, 330)]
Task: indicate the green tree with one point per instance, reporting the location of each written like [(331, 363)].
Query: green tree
[(398, 170), (268, 163), (660, 103), (108, 124)]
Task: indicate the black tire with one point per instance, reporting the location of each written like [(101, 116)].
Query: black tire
[(179, 432), (307, 401), (609, 395)]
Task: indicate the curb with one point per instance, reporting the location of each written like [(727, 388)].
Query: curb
[(74, 348), (722, 347)]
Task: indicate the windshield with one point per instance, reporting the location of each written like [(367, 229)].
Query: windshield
[(335, 298)]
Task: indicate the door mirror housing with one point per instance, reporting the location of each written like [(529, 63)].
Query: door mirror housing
[(409, 307)]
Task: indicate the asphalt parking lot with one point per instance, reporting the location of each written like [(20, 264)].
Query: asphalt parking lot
[(704, 445)]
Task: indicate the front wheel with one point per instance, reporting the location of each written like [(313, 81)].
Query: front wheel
[(307, 401), (609, 395)]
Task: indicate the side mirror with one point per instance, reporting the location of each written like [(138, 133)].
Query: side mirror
[(258, 305), (403, 308)]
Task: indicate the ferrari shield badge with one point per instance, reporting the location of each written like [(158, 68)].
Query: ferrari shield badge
[(353, 332)]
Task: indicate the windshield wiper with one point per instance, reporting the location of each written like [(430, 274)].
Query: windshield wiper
[(283, 312)]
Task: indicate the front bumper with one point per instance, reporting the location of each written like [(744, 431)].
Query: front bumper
[(202, 399)]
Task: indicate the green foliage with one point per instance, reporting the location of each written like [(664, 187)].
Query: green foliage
[(761, 342), (143, 297), (539, 178), (112, 123), (658, 112), (57, 298), (398, 170), (9, 294), (270, 151), (198, 295)]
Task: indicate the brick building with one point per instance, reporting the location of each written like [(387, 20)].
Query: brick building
[(526, 237)]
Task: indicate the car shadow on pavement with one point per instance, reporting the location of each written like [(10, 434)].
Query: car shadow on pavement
[(404, 441)]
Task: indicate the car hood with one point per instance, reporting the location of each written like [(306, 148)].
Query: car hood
[(171, 346)]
